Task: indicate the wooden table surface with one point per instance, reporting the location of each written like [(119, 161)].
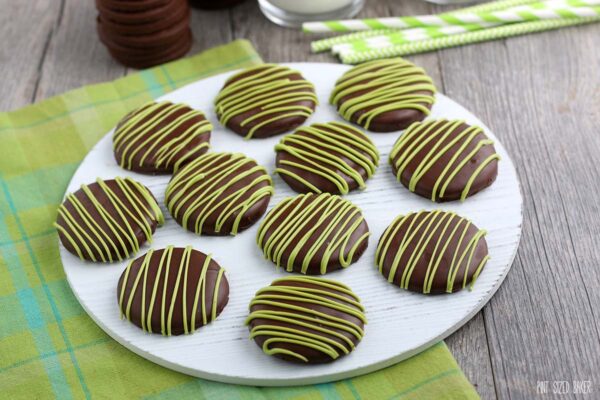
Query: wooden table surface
[(540, 94)]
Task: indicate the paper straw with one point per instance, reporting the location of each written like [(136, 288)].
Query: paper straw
[(327, 44), (473, 22), (421, 20), (464, 38)]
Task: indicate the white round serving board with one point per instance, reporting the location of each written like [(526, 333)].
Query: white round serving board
[(400, 323)]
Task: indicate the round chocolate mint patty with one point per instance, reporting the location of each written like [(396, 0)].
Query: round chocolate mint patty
[(219, 194), (108, 220), (265, 100), (384, 95), (306, 319), (313, 234), (159, 137), (172, 291), (332, 157), (432, 252), (444, 160)]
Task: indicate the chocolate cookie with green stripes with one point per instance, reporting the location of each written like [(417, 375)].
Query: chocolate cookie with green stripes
[(108, 221), (306, 320), (444, 160), (265, 100), (384, 95), (219, 194), (313, 234), (328, 157), (432, 252), (158, 138), (172, 291)]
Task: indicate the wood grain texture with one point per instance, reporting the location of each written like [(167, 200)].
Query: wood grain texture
[(539, 93), (543, 322), (26, 29)]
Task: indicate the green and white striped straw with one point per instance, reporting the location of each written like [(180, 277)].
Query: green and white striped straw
[(328, 43), (472, 22), (422, 20), (483, 35)]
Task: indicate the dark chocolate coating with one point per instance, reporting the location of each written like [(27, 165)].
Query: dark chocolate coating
[(177, 17), (155, 41), (147, 153), (444, 239), (312, 355), (224, 165), (144, 33), (140, 16), (316, 179), (131, 5), (275, 127), (151, 59), (194, 270), (392, 120), (318, 223), (425, 185), (109, 235)]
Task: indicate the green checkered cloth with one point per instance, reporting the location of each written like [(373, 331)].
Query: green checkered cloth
[(49, 347)]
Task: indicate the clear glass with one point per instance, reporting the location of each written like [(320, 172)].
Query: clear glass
[(292, 13)]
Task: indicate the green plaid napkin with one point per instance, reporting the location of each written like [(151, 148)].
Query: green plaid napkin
[(49, 347)]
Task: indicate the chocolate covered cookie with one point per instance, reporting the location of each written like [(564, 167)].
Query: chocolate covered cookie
[(306, 319), (219, 194), (159, 137), (327, 157), (313, 234), (384, 95), (265, 100), (172, 291), (144, 33), (432, 252), (108, 220), (444, 160)]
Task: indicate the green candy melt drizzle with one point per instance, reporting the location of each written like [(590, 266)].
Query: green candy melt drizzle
[(381, 86), (421, 229), (88, 235), (335, 218), (167, 304), (144, 131), (301, 307), (323, 149), (268, 88), (441, 134), (199, 189)]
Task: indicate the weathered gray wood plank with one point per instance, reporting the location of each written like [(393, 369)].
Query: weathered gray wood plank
[(537, 93), (75, 56), (25, 28)]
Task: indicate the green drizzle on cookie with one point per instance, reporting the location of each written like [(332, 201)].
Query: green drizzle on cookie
[(101, 224), (441, 139), (314, 313), (374, 88), (443, 239), (219, 186), (331, 151), (302, 227), (152, 278), (162, 134), (270, 90)]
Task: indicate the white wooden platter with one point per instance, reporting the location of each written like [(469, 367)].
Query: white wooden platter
[(401, 323)]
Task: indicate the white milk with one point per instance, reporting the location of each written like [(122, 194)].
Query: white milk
[(310, 6)]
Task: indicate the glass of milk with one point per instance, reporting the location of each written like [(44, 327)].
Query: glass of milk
[(293, 13)]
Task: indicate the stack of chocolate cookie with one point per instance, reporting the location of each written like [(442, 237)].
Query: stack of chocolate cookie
[(144, 33)]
